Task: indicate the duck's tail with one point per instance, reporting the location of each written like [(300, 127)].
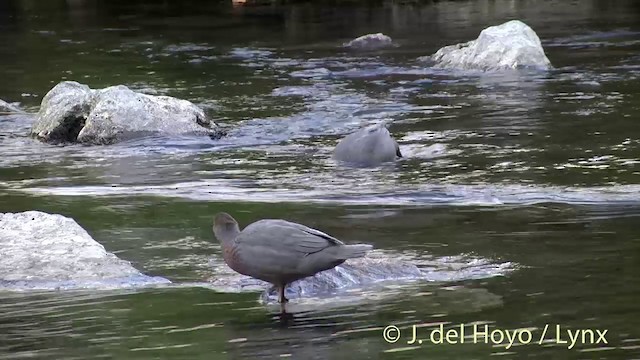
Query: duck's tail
[(354, 251)]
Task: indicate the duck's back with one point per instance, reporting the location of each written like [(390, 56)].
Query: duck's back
[(367, 146), (275, 250)]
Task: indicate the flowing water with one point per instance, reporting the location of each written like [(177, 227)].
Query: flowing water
[(518, 196)]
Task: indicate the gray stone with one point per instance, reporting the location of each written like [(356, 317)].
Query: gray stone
[(369, 146), (51, 251), (8, 108), (370, 42), (72, 112), (511, 45)]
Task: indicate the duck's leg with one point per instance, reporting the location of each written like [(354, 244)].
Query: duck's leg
[(282, 299)]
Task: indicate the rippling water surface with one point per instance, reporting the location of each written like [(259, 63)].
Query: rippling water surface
[(517, 197)]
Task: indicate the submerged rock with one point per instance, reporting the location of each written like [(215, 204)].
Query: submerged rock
[(370, 42), (359, 277), (369, 146), (512, 45), (50, 251), (6, 107), (72, 112), (352, 273)]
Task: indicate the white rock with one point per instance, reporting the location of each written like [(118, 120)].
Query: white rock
[(511, 45), (5, 107), (50, 251), (370, 42), (72, 112)]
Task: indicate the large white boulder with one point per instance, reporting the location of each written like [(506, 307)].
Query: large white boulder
[(51, 251), (72, 112), (512, 45)]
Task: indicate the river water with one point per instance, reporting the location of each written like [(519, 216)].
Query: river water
[(518, 194)]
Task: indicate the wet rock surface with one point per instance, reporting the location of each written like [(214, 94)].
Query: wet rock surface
[(50, 251), (512, 45), (370, 42), (6, 107), (352, 273), (72, 112)]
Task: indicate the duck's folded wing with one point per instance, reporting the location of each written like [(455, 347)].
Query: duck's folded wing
[(286, 236)]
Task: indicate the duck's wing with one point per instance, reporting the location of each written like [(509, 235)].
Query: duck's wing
[(285, 236)]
